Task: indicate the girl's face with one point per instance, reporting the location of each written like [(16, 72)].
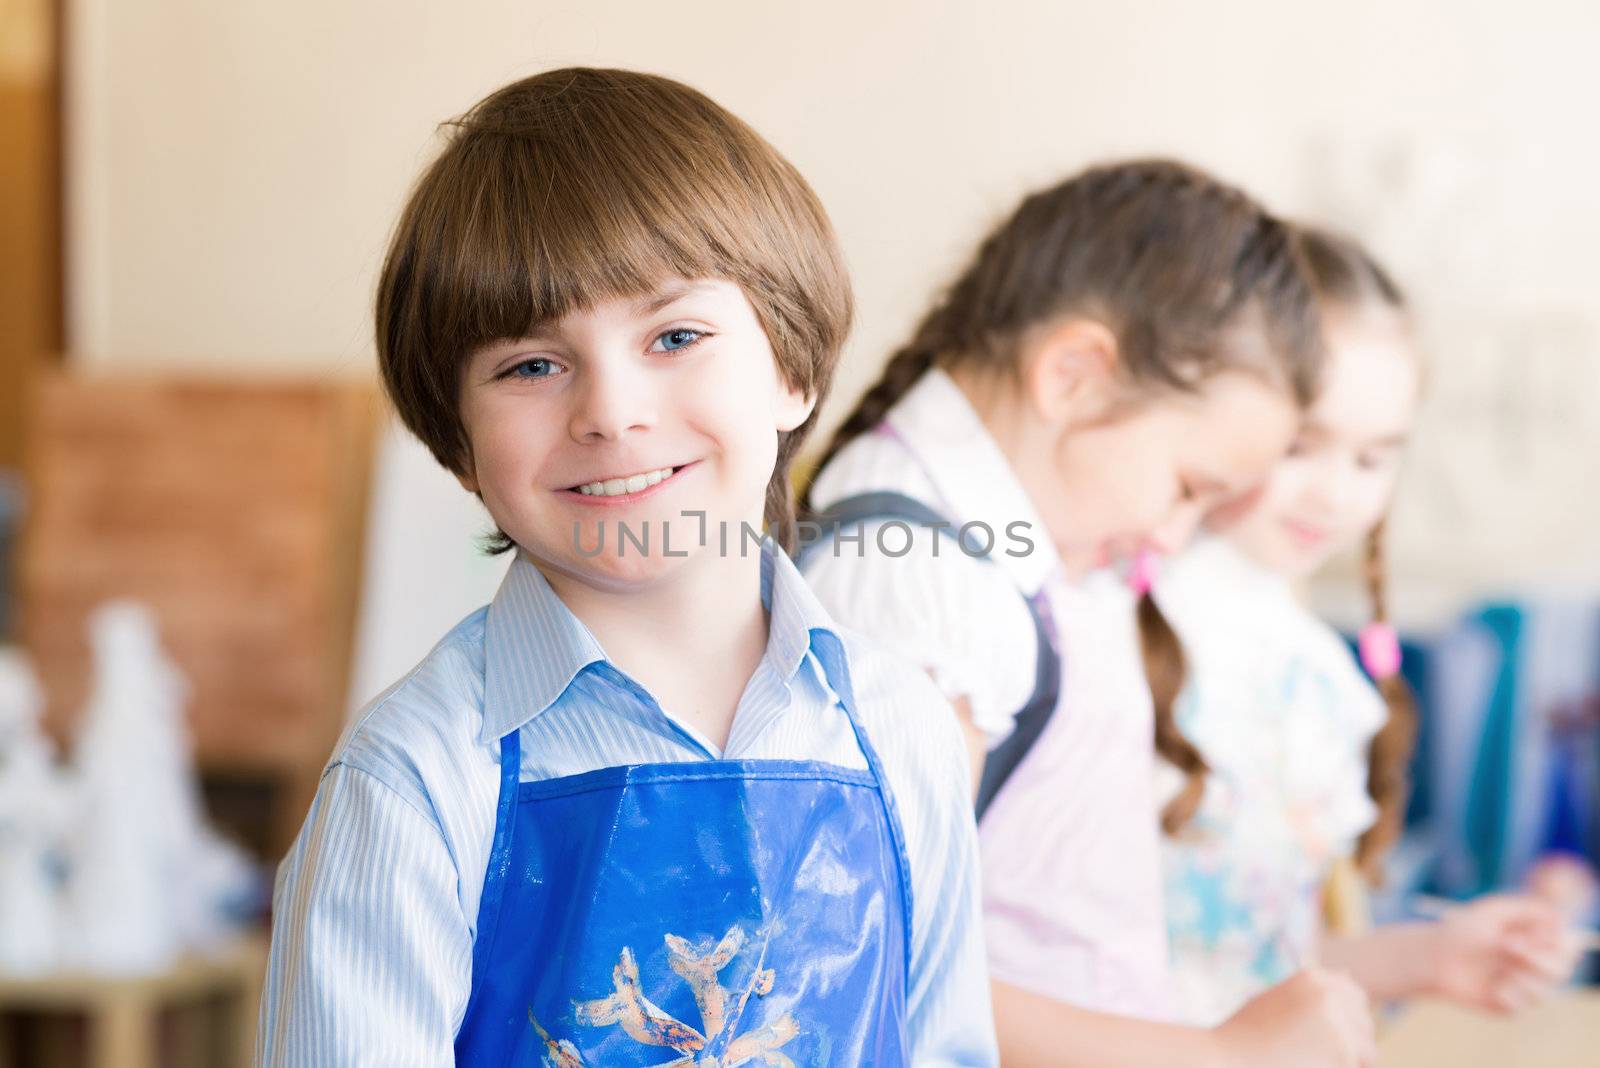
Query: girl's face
[(1143, 478), (1337, 480), (659, 412)]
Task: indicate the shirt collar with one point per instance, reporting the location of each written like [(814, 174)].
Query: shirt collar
[(799, 624), (534, 647), (940, 427)]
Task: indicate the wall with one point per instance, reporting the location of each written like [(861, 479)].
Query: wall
[(235, 169)]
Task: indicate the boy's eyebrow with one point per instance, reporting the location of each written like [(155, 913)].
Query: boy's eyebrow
[(673, 291)]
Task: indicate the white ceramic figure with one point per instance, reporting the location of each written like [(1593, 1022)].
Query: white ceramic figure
[(35, 807), (148, 878)]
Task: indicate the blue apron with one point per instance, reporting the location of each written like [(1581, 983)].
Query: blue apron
[(719, 912)]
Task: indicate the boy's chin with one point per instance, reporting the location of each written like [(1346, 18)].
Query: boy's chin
[(623, 557), (612, 573)]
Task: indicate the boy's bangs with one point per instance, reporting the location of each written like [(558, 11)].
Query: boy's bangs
[(545, 237)]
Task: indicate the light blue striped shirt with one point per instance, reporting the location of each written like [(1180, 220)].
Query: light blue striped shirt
[(375, 908)]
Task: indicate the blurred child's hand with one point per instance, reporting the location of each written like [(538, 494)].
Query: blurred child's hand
[(1502, 953), (1567, 882), (1317, 1019)]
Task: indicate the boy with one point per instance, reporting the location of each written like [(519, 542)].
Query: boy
[(634, 808)]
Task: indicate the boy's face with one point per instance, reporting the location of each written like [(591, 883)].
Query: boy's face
[(627, 414)]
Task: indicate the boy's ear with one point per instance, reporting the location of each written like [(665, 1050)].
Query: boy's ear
[(468, 476), (1070, 369), (794, 406)]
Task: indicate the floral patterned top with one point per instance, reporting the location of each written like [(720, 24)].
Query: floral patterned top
[(1284, 716)]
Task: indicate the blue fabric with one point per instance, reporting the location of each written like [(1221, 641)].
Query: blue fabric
[(731, 911), (1492, 773), (1415, 668)]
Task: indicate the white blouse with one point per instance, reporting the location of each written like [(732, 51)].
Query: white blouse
[(1071, 863), (959, 618), (1284, 717)]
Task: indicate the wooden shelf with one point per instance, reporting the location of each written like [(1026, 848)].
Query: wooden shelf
[(123, 1013)]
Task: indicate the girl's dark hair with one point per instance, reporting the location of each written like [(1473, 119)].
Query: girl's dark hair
[(1174, 261), (551, 194), (1192, 276)]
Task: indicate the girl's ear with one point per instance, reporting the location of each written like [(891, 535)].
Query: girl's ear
[(794, 406), (1070, 369)]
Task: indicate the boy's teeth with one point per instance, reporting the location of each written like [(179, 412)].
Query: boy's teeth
[(615, 487)]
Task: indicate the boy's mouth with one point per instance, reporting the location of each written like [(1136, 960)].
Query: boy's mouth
[(622, 485)]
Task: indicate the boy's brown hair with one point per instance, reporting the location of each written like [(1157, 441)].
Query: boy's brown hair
[(580, 185)]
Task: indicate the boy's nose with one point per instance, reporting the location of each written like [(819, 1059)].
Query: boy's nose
[(609, 406)]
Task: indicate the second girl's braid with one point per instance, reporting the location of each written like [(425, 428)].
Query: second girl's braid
[(1389, 756)]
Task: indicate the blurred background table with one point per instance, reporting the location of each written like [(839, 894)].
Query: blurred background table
[(200, 1013), (1563, 1033)]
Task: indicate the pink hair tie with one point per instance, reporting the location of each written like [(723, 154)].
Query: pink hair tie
[(1380, 650), (1142, 576)]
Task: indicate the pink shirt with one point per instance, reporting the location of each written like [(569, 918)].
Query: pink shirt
[(1071, 863), (1070, 847)]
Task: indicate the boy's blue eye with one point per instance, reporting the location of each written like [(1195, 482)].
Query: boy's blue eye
[(539, 368), (673, 340)]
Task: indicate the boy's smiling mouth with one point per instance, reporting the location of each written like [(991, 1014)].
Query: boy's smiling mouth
[(626, 486)]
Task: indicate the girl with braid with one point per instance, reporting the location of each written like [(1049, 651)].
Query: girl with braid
[(1304, 760), (1129, 348)]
